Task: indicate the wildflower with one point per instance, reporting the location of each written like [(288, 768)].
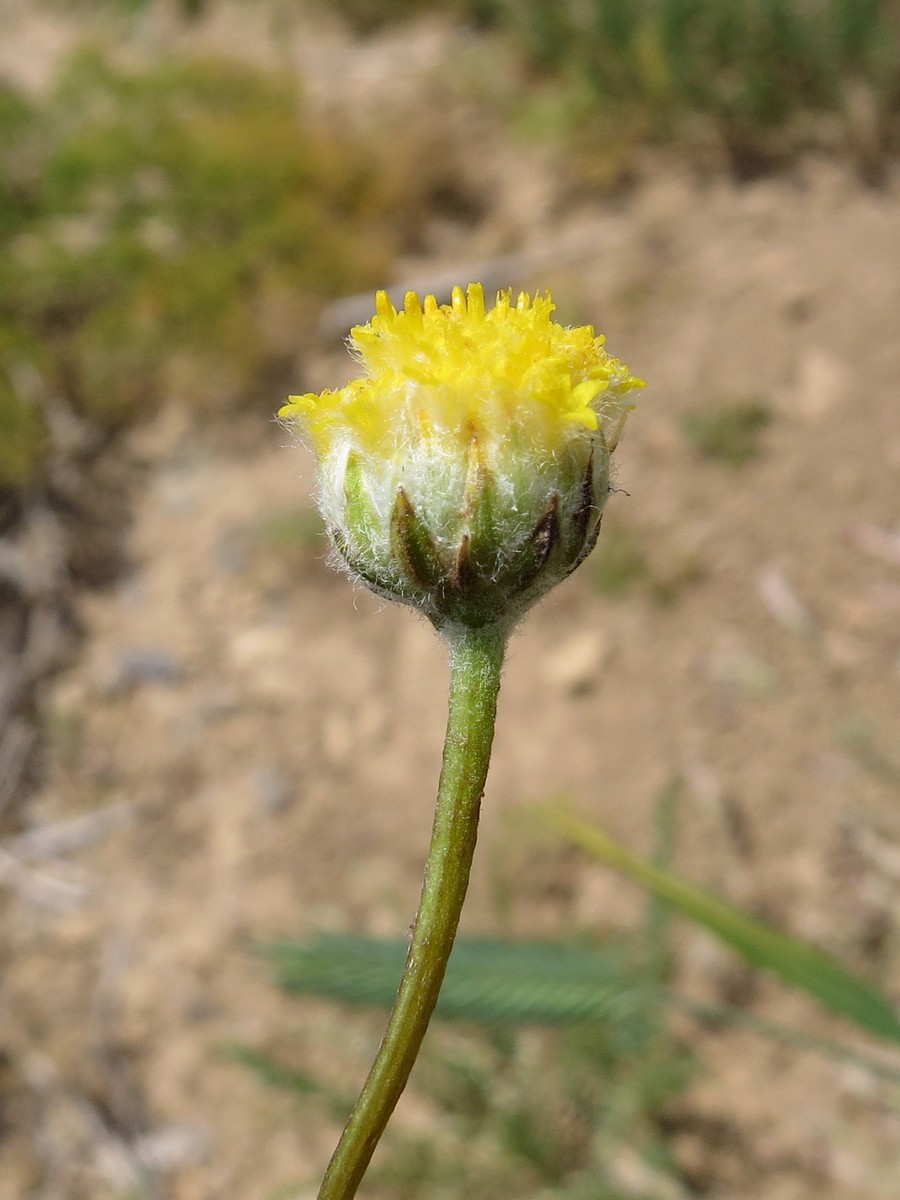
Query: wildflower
[(466, 472)]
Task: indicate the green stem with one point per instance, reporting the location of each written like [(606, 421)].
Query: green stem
[(476, 656)]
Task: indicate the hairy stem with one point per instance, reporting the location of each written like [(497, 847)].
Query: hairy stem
[(476, 657)]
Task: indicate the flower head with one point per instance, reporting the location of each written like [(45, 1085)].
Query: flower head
[(466, 471)]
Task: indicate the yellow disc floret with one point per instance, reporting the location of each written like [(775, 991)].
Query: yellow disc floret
[(461, 370)]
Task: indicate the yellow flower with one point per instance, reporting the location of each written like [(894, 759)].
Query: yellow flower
[(466, 470)]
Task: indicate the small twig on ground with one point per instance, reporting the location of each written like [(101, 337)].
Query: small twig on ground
[(47, 842), (16, 744), (880, 543), (54, 891)]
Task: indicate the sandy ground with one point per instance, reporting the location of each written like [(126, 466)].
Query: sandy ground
[(262, 741)]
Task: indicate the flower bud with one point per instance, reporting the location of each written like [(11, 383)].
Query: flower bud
[(466, 472)]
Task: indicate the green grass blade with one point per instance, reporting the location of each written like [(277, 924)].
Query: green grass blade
[(796, 962)]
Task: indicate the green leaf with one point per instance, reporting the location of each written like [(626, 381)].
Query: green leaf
[(488, 981), (504, 984), (797, 962)]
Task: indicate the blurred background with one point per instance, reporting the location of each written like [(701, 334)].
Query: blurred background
[(209, 740)]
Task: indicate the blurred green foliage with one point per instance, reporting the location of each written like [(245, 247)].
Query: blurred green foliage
[(558, 1077), (492, 981), (747, 62), (620, 563), (563, 1068), (564, 1078), (369, 15), (798, 963), (861, 737), (169, 231), (731, 433), (574, 1116), (629, 559), (290, 531), (642, 67), (23, 435)]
